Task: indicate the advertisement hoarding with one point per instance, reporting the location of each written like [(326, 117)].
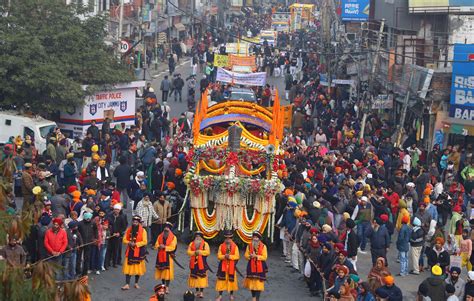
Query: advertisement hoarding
[(433, 6), (355, 10), (462, 85)]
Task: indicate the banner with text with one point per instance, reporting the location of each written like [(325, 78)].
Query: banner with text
[(462, 87), (221, 60), (248, 79), (242, 60), (355, 10)]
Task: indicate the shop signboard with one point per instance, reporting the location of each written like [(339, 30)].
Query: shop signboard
[(382, 102), (440, 6), (355, 10), (462, 85)]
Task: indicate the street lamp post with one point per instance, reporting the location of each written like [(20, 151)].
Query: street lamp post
[(120, 26)]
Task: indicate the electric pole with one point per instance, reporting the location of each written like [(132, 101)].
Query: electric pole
[(405, 107), (367, 104), (120, 26), (326, 28)]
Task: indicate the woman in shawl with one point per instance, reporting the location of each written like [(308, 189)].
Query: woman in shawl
[(377, 274), (345, 292), (313, 252), (364, 293)]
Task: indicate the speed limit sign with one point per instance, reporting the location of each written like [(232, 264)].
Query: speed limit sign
[(124, 46)]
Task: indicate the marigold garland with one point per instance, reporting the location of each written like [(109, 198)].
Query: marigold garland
[(254, 172), (206, 167)]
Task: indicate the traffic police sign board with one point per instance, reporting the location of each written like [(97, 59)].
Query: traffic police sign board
[(124, 46)]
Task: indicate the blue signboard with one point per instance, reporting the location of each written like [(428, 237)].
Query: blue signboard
[(462, 86), (355, 10)]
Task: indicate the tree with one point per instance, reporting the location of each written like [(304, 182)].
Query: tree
[(49, 51), (34, 282)]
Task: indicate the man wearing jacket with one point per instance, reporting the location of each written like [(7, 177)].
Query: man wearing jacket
[(117, 224), (288, 223), (403, 244), (362, 216), (379, 238), (55, 242), (351, 242), (417, 240), (89, 233)]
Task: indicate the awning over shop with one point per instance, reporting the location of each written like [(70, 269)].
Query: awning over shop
[(180, 27), (459, 126)]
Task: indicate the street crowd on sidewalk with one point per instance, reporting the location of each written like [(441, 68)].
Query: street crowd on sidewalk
[(343, 196)]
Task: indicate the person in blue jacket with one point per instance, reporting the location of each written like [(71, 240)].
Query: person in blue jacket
[(403, 245)]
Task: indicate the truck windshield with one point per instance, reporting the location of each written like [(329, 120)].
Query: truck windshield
[(45, 130)]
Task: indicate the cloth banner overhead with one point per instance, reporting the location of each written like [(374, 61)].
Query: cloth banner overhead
[(247, 79), (238, 60), (221, 60)]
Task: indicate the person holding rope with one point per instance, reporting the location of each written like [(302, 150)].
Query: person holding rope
[(228, 256), (134, 264), (256, 254), (55, 243), (198, 250), (166, 246)]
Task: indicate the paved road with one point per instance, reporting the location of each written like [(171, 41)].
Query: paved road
[(184, 68)]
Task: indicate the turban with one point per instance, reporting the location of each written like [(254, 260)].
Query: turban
[(343, 252), (427, 191), (91, 192), (76, 194), (71, 189), (58, 221), (405, 219), (338, 169), (384, 218), (178, 172), (87, 215), (288, 192), (350, 223), (118, 206), (326, 228), (342, 268), (346, 215), (436, 270), (95, 157), (339, 246), (439, 240), (170, 185), (426, 199), (389, 280), (416, 222), (455, 269)]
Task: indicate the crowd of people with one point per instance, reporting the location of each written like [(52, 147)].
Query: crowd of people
[(343, 196)]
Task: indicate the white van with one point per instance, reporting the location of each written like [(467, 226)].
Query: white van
[(14, 124)]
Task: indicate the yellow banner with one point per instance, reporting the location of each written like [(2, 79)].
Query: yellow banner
[(221, 60), (287, 112)]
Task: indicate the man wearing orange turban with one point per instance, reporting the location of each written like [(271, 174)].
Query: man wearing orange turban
[(170, 185), (437, 255), (390, 290)]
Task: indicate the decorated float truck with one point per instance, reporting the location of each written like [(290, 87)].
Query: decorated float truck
[(232, 174)]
